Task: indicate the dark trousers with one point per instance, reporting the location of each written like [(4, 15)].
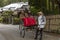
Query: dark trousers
[(40, 33)]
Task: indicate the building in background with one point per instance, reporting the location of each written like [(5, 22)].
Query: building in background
[(15, 6)]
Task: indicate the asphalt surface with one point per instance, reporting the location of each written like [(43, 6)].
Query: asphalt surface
[(11, 32)]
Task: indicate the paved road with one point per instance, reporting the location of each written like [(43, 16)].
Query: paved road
[(11, 32)]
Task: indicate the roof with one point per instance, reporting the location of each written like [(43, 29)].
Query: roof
[(14, 6)]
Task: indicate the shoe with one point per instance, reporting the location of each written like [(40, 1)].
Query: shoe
[(35, 38)]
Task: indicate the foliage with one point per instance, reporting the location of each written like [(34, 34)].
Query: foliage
[(47, 6), (34, 10), (35, 3), (6, 2), (38, 5), (1, 2), (7, 16), (16, 20), (1, 19), (7, 13)]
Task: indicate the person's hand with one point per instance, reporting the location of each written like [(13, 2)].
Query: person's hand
[(39, 28)]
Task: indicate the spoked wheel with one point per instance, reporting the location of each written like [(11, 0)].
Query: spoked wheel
[(22, 33)]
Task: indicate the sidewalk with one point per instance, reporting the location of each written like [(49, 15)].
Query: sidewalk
[(2, 37), (11, 32)]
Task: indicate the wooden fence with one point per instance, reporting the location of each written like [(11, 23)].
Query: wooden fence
[(53, 24)]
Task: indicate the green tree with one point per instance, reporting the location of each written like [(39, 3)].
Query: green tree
[(6, 2), (1, 2), (47, 6), (7, 15)]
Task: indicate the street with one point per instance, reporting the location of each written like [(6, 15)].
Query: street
[(11, 32)]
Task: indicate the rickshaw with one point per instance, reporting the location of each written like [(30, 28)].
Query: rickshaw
[(23, 29)]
